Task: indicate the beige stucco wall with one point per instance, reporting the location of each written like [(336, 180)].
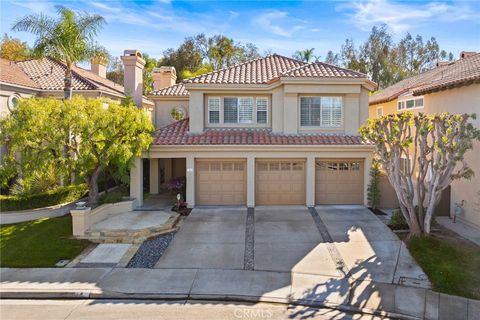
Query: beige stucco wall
[(250, 153), (164, 107), (284, 105), (388, 107), (462, 100)]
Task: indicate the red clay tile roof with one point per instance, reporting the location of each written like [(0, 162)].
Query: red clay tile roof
[(49, 75), (257, 71), (262, 71), (11, 73), (463, 72), (46, 74), (177, 133), (322, 70), (175, 90), (457, 73)]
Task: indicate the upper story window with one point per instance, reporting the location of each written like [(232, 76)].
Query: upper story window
[(214, 110), (237, 110), (324, 112), (380, 112), (262, 110), (412, 103)]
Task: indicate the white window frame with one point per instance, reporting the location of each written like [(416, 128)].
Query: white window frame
[(251, 123), (380, 109), (342, 119), (256, 110), (402, 104), (219, 110)]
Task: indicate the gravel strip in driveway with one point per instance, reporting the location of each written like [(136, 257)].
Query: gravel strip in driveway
[(150, 251), (249, 258)]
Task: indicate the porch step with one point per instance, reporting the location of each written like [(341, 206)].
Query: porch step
[(106, 235)]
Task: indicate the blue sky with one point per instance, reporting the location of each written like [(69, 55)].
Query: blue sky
[(280, 26)]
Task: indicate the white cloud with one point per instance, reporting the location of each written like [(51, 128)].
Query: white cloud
[(271, 21), (400, 17)]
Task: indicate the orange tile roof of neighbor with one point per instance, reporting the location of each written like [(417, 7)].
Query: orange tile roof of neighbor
[(262, 71), (458, 73), (178, 133), (10, 72), (46, 74)]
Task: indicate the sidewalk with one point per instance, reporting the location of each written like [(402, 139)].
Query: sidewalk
[(461, 228), (236, 285)]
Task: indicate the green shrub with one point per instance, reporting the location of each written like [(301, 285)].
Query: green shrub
[(113, 196), (45, 199), (398, 220)]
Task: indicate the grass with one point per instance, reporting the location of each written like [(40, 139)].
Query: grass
[(45, 199), (40, 243), (451, 263)]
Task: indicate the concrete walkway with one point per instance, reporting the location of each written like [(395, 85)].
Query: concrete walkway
[(235, 285), (460, 228)]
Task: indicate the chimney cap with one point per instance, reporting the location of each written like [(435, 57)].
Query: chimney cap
[(132, 53), (165, 69)]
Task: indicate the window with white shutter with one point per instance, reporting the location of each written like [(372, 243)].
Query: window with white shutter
[(325, 112), (262, 110), (214, 110), (245, 110), (230, 110)]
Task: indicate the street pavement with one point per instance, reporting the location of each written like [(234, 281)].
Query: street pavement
[(149, 309)]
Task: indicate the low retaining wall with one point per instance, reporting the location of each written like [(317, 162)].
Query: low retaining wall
[(40, 213), (83, 219), (35, 214)]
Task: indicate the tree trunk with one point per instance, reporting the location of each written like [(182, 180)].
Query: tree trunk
[(92, 182), (67, 89)]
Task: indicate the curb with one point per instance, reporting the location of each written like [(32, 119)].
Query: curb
[(86, 295)]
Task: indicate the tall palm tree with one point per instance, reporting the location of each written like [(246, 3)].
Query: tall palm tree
[(69, 39), (305, 55)]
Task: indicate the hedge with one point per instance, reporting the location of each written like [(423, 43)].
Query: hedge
[(45, 199)]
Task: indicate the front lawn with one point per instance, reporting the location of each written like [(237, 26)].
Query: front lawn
[(451, 263), (40, 243)]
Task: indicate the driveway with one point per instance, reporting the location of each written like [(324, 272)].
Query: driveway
[(330, 241)]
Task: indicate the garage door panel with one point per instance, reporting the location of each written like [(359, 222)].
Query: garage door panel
[(221, 182), (339, 182), (280, 182)]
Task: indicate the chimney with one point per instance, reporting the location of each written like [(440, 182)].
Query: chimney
[(443, 63), (466, 54), (163, 77), (98, 66), (133, 64)]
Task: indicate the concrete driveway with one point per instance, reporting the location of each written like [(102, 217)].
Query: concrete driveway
[(329, 241)]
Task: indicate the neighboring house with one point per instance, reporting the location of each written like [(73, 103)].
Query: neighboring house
[(452, 87), (45, 78), (268, 131)]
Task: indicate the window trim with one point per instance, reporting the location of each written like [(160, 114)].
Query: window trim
[(342, 121), (253, 98), (405, 100)]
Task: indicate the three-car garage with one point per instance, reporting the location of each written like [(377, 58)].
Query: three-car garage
[(279, 181)]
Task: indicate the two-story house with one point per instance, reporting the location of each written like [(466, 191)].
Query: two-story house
[(271, 131), (452, 87)]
